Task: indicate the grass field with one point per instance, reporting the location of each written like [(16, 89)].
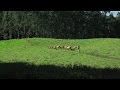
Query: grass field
[(31, 58)]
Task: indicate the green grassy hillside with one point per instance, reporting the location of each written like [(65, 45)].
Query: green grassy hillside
[(98, 58)]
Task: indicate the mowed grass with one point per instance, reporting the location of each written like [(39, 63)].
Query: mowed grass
[(23, 58)]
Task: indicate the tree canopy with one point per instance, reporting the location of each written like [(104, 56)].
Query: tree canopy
[(59, 24)]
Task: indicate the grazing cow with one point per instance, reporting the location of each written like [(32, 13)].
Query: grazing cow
[(75, 48), (52, 47), (78, 48), (68, 47), (57, 46), (61, 47)]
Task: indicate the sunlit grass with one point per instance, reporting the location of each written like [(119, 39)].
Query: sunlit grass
[(97, 53), (93, 52)]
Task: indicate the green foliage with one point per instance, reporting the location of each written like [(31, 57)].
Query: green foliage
[(58, 24)]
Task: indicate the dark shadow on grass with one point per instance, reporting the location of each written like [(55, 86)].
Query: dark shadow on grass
[(27, 71)]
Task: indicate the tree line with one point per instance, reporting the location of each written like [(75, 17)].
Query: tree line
[(58, 24)]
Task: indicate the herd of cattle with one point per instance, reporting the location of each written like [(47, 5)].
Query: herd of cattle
[(65, 47)]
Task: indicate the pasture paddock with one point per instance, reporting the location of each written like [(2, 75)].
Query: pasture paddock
[(98, 58)]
